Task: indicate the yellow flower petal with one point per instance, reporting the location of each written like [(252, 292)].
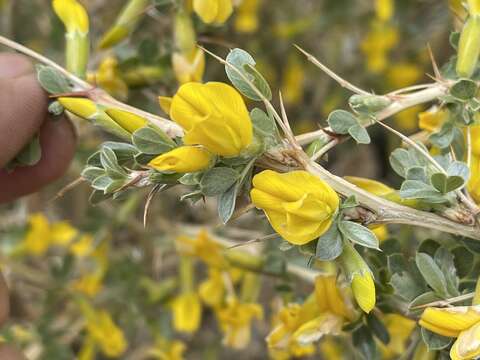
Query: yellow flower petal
[(450, 321), (187, 312), (72, 14), (213, 11), (183, 159), (363, 289), (372, 186), (313, 330), (467, 345), (128, 121), (81, 107)]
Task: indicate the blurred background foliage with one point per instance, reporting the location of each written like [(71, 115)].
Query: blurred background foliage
[(92, 282)]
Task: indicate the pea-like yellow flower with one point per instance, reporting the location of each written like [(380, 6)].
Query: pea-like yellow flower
[(106, 333), (184, 159), (213, 115), (42, 234), (189, 67), (187, 312), (400, 329), (75, 18), (235, 321), (296, 326), (126, 120), (108, 77), (246, 20), (293, 80), (384, 9), (299, 206), (165, 349), (376, 46), (202, 247), (461, 322), (213, 11), (432, 119), (212, 290)]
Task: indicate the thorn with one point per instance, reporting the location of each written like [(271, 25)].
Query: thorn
[(344, 83), (254, 241), (436, 71), (150, 197)]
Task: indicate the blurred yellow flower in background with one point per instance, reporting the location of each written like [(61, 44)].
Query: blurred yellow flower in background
[(42, 234), (298, 205), (203, 247), (189, 67), (213, 115), (384, 9), (432, 119), (293, 81), (235, 321), (187, 312), (377, 44), (165, 349), (400, 330), (213, 11), (246, 20), (109, 78)]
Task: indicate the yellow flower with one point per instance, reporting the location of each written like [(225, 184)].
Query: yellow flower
[(202, 247), (212, 290), (299, 206), (293, 79), (126, 120), (384, 9), (377, 45), (106, 334), (165, 349), (462, 322), (213, 115), (432, 119), (364, 291), (330, 349), (473, 185), (187, 312), (41, 234), (184, 159), (247, 16), (404, 74), (298, 326), (108, 78), (75, 19), (400, 330), (213, 11), (83, 246), (235, 319), (189, 68), (89, 284)]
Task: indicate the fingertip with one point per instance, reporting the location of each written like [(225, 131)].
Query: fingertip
[(13, 65), (57, 139), (8, 352)]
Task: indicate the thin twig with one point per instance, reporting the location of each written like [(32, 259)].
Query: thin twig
[(445, 302), (66, 189), (344, 83), (254, 241)]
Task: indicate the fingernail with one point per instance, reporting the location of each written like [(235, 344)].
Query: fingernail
[(14, 65)]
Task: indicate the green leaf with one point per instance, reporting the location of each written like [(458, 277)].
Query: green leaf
[(123, 151), (423, 299), (359, 234), (378, 328), (458, 168), (150, 142), (329, 245), (414, 189), (264, 127), (90, 173), (401, 160), (341, 121), (109, 161), (102, 182), (417, 173), (226, 204), (432, 274), (435, 342), (364, 343), (463, 259), (96, 197), (315, 146), (444, 137), (445, 261), (218, 180), (445, 184), (359, 133), (349, 202), (52, 80), (464, 89), (368, 104), (31, 153), (245, 63), (405, 286)]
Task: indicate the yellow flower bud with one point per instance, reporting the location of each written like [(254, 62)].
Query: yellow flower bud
[(88, 110), (75, 19), (81, 107), (358, 272), (299, 206), (384, 9), (129, 121), (213, 115), (187, 312), (185, 38), (189, 68), (184, 159), (213, 11), (469, 47), (124, 24)]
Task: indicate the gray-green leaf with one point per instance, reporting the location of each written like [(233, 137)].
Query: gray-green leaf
[(432, 274), (358, 234), (218, 180)]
